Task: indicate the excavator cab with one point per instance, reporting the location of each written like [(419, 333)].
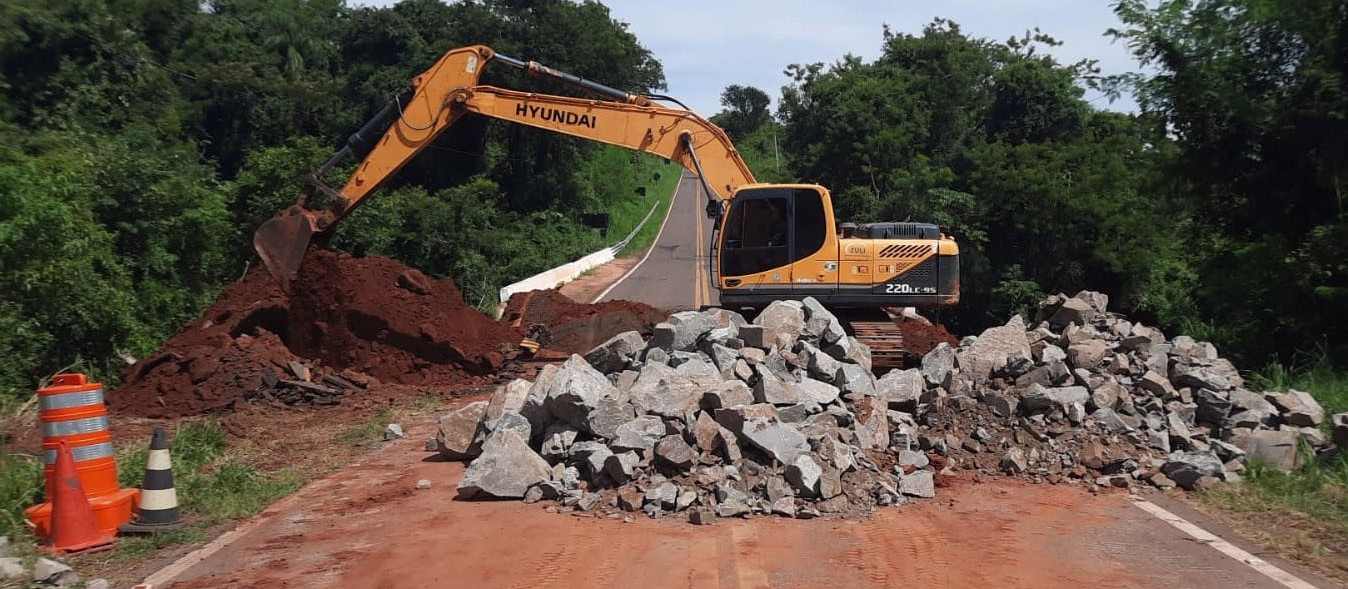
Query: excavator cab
[(778, 242)]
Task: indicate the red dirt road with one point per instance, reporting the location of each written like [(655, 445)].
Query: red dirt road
[(367, 526)]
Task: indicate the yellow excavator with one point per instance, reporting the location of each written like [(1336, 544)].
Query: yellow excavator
[(771, 242)]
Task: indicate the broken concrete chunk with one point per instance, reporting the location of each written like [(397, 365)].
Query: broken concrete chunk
[(50, 572)]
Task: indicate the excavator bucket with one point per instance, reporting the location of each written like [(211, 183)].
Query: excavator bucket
[(282, 241)]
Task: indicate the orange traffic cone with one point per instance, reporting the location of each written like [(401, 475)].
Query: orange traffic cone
[(74, 529)]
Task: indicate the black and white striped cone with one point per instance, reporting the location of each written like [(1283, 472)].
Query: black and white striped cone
[(158, 499)]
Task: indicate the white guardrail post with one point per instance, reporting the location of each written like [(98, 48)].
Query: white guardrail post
[(570, 271)]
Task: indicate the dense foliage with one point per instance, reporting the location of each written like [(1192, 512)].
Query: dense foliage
[(144, 141), (1217, 209)]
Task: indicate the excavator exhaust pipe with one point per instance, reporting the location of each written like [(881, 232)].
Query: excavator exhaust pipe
[(282, 241)]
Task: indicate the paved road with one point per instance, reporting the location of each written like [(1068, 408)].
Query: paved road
[(674, 274)]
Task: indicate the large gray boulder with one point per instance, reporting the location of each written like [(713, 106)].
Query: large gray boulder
[(780, 441), (641, 433), (1185, 468), (815, 391), (607, 415), (1088, 354), (506, 468), (510, 397), (1278, 449), (938, 366), (855, 381), (991, 350), (901, 389), (688, 327), (803, 473), (576, 391), (1299, 408), (1040, 398), (458, 437), (782, 322), (770, 388), (614, 354), (1073, 310), (670, 392)]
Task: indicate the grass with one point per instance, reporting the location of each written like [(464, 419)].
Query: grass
[(1303, 514), (367, 432), (625, 216), (215, 484)]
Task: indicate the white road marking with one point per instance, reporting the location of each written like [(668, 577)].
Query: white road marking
[(669, 213), (1283, 578)]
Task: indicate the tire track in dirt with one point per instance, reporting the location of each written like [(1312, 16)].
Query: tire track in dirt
[(556, 564)]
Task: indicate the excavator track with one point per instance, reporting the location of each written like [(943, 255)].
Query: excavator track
[(877, 329)]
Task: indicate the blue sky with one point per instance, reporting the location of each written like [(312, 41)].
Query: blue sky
[(706, 45)]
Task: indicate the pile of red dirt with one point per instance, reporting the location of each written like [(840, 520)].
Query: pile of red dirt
[(358, 317), (577, 327), (920, 338)]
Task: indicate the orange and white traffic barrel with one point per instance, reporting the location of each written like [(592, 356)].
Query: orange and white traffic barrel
[(72, 411)]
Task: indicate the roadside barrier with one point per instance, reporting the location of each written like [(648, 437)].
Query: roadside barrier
[(75, 530), (158, 498), (570, 271), (72, 413)]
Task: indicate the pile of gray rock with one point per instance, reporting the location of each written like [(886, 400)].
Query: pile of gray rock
[(1082, 394), (44, 571), (713, 416), (718, 416)]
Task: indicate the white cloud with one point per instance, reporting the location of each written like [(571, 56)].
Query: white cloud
[(706, 45)]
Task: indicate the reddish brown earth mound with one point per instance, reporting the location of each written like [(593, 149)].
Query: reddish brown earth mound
[(920, 338), (348, 316), (576, 327)]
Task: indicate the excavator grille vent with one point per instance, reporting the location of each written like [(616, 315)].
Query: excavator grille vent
[(905, 251)]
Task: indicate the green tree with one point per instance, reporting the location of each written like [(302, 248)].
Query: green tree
[(746, 111), (1256, 96)]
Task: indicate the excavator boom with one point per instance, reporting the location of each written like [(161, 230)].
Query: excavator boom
[(444, 93)]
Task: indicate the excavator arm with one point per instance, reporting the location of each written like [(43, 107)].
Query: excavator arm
[(448, 90)]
